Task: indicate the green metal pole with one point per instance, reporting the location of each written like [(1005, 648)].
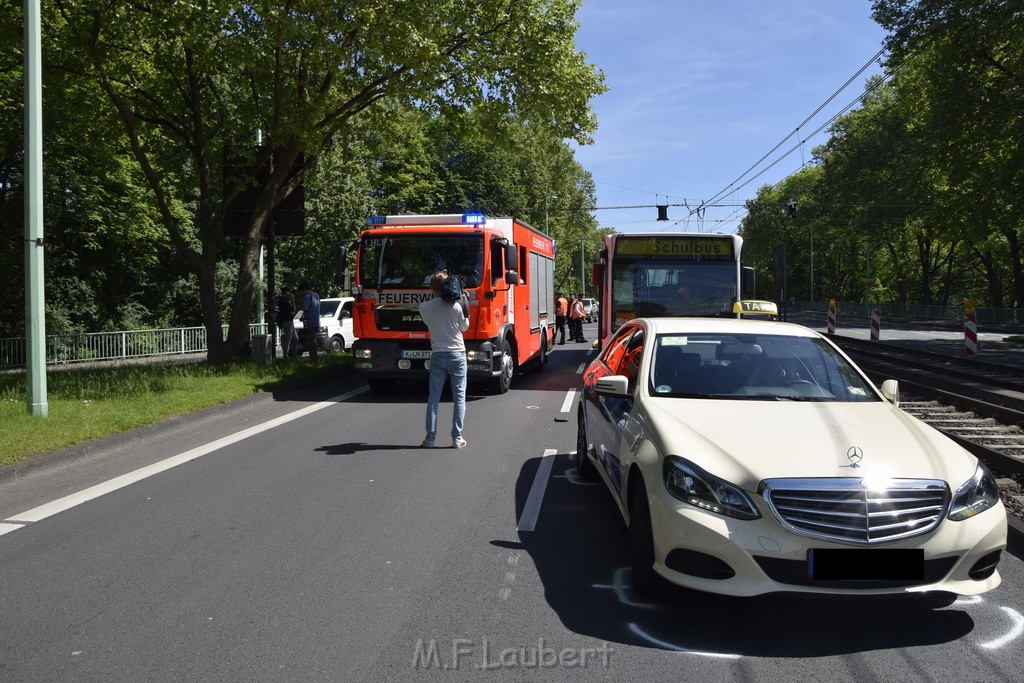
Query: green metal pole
[(35, 322)]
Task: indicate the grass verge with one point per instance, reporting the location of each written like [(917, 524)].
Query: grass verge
[(85, 404)]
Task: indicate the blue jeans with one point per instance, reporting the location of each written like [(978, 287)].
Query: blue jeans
[(444, 364)]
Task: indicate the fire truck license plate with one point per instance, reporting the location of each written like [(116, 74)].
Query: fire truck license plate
[(416, 353)]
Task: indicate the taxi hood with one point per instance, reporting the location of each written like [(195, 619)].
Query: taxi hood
[(745, 442)]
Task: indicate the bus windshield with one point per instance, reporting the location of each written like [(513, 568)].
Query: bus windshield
[(660, 288), (408, 260)]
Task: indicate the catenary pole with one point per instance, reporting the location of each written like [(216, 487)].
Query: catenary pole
[(35, 321)]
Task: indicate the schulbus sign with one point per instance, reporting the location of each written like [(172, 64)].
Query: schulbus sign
[(697, 248)]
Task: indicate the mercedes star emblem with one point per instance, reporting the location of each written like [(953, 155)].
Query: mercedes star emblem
[(854, 455)]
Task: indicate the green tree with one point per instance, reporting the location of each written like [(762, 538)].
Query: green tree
[(192, 82)]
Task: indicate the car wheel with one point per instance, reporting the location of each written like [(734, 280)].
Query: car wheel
[(379, 384), (584, 468), (501, 383), (337, 344), (646, 581)]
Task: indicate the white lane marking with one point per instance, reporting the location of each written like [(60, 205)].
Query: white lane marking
[(8, 528), (567, 403), (670, 646), (581, 368), (528, 520), (1014, 633), (70, 501)]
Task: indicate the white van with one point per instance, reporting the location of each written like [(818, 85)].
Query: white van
[(335, 324)]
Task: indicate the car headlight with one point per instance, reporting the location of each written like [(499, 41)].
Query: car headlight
[(692, 485), (977, 494)]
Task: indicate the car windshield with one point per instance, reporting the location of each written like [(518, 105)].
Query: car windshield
[(408, 260), (754, 367)]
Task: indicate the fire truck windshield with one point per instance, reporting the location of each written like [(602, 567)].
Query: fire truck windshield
[(408, 260), (672, 288)]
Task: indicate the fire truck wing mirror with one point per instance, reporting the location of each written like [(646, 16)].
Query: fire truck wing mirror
[(511, 257), (512, 277), (597, 274)]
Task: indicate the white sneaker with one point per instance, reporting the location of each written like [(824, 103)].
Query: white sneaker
[(459, 442)]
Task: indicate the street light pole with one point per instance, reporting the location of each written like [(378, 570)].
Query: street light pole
[(35, 319)]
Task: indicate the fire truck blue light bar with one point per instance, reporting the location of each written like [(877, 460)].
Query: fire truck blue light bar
[(474, 218)]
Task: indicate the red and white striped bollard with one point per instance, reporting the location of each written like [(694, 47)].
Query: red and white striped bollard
[(876, 324), (970, 329)]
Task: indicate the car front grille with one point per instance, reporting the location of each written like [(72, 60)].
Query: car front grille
[(855, 510)]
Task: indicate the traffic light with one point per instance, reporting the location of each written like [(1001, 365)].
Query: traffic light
[(662, 212), (791, 208)]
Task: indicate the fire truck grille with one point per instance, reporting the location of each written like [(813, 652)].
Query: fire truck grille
[(395, 319), (850, 510)]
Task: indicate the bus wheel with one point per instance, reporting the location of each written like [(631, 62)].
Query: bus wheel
[(501, 383)]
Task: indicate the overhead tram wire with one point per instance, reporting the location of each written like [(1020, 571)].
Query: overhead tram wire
[(795, 131)]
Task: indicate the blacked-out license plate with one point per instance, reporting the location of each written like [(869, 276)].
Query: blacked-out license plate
[(865, 564)]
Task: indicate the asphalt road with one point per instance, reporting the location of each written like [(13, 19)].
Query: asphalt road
[(320, 543)]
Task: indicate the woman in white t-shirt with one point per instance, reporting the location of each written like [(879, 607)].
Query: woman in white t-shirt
[(446, 321)]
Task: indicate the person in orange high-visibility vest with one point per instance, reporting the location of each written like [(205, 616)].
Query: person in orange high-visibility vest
[(561, 313), (576, 315)]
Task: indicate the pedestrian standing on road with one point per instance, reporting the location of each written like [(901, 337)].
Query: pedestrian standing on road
[(561, 314), (446, 321), (286, 323), (311, 319), (576, 315)]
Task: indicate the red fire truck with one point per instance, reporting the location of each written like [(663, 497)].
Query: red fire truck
[(505, 267)]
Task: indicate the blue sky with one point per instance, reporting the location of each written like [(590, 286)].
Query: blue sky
[(699, 90)]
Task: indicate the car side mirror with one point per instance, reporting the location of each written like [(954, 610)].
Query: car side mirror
[(613, 385), (891, 391)]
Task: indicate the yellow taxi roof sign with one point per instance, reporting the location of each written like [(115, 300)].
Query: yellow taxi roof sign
[(754, 307)]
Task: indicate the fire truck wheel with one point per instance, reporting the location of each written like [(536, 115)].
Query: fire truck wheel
[(501, 383), (379, 384), (584, 468), (538, 363)]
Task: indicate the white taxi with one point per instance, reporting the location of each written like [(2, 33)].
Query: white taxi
[(750, 457)]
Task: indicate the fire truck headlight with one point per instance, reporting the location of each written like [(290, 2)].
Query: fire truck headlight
[(363, 353), (404, 364), (482, 355)]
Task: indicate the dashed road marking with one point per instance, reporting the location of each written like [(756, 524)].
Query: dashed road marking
[(528, 520)]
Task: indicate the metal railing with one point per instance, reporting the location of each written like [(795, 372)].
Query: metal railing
[(1001, 316), (95, 346)]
